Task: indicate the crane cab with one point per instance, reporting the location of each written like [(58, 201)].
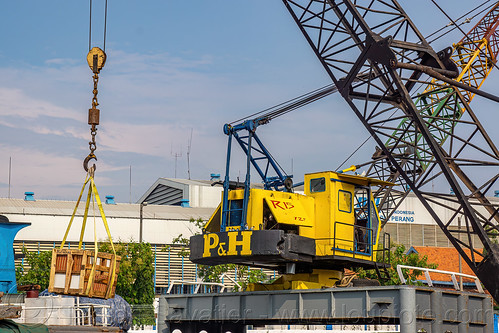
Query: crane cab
[(332, 225), (347, 220)]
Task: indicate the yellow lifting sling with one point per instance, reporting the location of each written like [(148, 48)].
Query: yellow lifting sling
[(85, 272)]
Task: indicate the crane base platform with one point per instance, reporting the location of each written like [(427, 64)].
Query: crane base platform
[(414, 309), (271, 249)]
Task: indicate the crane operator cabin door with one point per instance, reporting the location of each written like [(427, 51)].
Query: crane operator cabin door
[(363, 232)]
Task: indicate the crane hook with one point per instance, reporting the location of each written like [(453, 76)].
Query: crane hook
[(87, 159)]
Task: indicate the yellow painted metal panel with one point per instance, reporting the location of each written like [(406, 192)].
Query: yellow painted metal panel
[(365, 181), (215, 220), (354, 179), (344, 233), (343, 220), (376, 229), (323, 229), (325, 213), (291, 210)]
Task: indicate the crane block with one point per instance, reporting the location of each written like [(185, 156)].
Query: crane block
[(96, 59)]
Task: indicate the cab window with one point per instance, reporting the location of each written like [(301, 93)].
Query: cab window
[(345, 201), (318, 185)]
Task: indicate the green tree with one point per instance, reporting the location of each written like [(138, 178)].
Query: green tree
[(39, 271), (398, 256), (136, 278)]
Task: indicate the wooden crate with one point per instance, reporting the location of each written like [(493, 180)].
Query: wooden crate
[(70, 273)]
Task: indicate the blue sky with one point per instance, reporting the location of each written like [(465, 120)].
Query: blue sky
[(173, 67)]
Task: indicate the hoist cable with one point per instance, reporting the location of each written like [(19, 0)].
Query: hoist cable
[(276, 110), (467, 20), (90, 26), (105, 25), (465, 34), (295, 104), (353, 153), (459, 18)]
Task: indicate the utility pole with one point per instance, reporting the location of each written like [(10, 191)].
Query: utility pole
[(189, 144), (130, 184), (142, 204), (10, 172)]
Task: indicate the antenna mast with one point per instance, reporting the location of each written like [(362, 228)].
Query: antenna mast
[(189, 145), (176, 155)]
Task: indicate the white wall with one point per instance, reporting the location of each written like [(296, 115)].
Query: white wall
[(52, 228), (205, 196), (412, 211)]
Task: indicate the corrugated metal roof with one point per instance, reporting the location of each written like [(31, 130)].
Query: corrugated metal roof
[(170, 191), (165, 195), (65, 208), (190, 181)]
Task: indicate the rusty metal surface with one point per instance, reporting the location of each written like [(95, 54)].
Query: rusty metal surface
[(10, 312)]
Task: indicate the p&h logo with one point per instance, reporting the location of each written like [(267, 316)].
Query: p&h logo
[(227, 243)]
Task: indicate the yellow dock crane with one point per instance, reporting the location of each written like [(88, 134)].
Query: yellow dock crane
[(308, 237)]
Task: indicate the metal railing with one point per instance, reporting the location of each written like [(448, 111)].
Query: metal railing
[(355, 243), (225, 275), (83, 314), (89, 314), (196, 284), (383, 254), (430, 282)]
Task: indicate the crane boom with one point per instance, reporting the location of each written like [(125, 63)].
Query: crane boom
[(378, 37), (258, 156), (475, 55)]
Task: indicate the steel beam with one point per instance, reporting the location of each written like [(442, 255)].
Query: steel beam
[(415, 309)]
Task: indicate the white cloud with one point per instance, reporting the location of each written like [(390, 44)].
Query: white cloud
[(17, 103), (49, 175), (149, 104), (62, 61)]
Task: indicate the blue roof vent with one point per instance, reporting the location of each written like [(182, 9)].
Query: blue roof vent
[(215, 176), (184, 203), (110, 200), (29, 196), (496, 194)]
